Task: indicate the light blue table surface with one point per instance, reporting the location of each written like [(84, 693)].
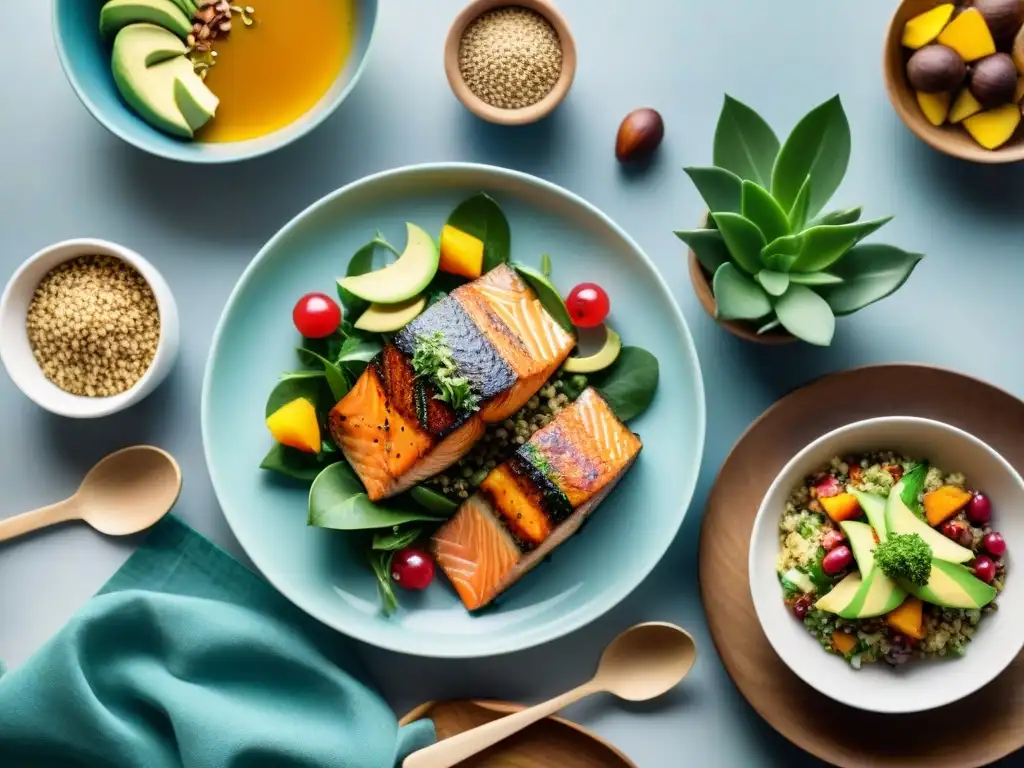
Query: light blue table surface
[(63, 176)]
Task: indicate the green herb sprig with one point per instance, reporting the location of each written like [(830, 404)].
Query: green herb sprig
[(433, 359)]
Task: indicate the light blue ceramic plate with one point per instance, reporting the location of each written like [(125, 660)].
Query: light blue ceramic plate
[(85, 57), (317, 569)]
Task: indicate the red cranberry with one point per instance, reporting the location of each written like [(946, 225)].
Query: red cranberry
[(951, 530), (827, 488), (412, 568), (832, 539), (979, 508), (995, 544), (801, 607), (837, 560), (984, 568)]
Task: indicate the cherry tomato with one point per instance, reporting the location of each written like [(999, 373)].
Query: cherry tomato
[(316, 315), (984, 568), (588, 305), (412, 568), (979, 509), (994, 543)]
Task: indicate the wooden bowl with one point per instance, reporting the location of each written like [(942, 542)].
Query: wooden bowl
[(500, 115), (951, 139)]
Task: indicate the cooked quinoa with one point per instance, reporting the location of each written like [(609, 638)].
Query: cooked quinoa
[(802, 528)]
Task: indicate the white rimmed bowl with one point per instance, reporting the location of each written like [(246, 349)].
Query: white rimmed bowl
[(16, 353), (917, 685)]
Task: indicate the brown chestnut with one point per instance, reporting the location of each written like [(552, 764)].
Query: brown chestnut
[(1003, 17), (639, 135), (994, 80), (936, 69)]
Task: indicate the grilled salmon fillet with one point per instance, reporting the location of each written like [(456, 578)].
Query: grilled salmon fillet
[(391, 427), (536, 500)]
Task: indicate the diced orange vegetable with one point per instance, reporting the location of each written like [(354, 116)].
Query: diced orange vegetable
[(520, 501), (461, 253), (968, 35), (841, 507), (295, 424), (908, 618), (843, 642), (942, 503)]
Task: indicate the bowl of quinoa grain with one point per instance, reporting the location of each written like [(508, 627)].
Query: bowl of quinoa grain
[(87, 328), (881, 564), (510, 63)]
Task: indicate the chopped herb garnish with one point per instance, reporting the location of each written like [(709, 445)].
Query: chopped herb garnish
[(433, 358)]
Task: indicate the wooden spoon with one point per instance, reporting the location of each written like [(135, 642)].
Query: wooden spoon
[(642, 663), (126, 492)]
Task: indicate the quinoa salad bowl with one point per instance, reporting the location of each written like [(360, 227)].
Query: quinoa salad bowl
[(881, 564)]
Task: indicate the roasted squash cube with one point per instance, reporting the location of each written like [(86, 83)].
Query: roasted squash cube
[(461, 253), (841, 507)]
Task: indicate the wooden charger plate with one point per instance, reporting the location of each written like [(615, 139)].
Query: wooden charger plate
[(975, 731), (549, 743)]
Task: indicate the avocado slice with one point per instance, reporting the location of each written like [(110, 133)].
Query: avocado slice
[(858, 598), (117, 14), (188, 7), (383, 318), (862, 542), (953, 586), (874, 507), (148, 62), (899, 519), (402, 280), (598, 361)]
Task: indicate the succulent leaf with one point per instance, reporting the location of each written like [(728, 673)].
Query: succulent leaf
[(743, 239), (771, 325), (744, 143), (815, 278), (738, 297), (798, 213), (819, 147), (806, 315), (870, 272), (780, 254), (720, 188), (760, 207), (775, 283), (845, 216), (708, 246), (825, 245)]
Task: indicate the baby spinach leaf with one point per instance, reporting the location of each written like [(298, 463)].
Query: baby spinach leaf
[(708, 246), (744, 143), (433, 501), (819, 147), (720, 188), (913, 484), (396, 538), (381, 563), (298, 465), (311, 385), (868, 273), (630, 383), (335, 377), (548, 295), (481, 217), (338, 501)]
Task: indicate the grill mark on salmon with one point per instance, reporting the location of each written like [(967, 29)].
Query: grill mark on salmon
[(475, 550), (377, 429)]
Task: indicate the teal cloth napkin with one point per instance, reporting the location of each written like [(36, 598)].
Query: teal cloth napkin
[(187, 658)]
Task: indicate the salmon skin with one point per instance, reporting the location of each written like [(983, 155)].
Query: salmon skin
[(536, 500), (391, 427)]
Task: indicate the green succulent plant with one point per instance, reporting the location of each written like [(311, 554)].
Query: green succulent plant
[(775, 260)]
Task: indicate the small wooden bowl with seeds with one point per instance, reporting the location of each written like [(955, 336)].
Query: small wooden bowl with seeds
[(510, 62), (87, 328)]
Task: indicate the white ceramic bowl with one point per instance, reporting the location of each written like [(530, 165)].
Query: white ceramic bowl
[(16, 353), (916, 685)]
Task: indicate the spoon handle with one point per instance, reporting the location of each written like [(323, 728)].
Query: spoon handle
[(454, 750), (18, 525)]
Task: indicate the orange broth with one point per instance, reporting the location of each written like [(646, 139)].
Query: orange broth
[(272, 73)]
